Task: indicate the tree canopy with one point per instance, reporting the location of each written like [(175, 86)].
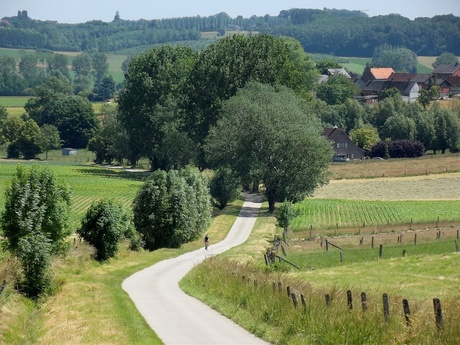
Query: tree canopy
[(269, 134)]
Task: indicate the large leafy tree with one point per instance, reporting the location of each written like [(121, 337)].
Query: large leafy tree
[(72, 115), (399, 58), (103, 226), (35, 203), (167, 210), (269, 134), (224, 68), (149, 104)]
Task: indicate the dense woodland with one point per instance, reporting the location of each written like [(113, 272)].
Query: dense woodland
[(329, 31)]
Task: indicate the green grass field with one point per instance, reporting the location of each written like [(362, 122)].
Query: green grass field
[(88, 184)]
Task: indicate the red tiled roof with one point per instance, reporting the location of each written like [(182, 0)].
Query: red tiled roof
[(382, 73)]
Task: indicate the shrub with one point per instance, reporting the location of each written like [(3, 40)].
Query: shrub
[(35, 203), (103, 226), (398, 149), (34, 252), (171, 208)]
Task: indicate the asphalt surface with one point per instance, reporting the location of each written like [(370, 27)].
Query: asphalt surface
[(178, 318)]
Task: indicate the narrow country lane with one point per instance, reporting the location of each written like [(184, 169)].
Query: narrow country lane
[(178, 318)]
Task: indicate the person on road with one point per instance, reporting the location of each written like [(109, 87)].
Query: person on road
[(206, 242)]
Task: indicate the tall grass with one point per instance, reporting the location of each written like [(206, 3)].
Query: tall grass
[(247, 296)]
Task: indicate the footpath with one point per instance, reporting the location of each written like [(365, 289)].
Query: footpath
[(178, 318)]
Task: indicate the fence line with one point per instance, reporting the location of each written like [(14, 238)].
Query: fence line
[(277, 287)]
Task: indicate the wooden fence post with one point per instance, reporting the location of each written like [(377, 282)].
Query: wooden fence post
[(437, 313), (280, 286), (410, 225), (415, 239), (406, 311), (363, 301), (404, 252), (456, 246), (304, 302), (341, 257), (380, 250), (327, 245), (372, 243), (294, 300), (288, 290), (274, 286), (328, 299), (386, 308), (349, 300)]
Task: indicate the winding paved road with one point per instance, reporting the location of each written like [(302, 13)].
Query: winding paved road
[(178, 318)]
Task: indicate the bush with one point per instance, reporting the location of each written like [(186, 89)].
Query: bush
[(171, 208), (398, 149), (34, 252), (35, 203), (103, 226)]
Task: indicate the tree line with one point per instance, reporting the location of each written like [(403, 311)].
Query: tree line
[(328, 31), (87, 73)]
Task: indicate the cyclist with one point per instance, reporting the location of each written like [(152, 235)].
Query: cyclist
[(206, 242)]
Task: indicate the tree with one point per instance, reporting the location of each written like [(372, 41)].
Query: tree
[(426, 95), (285, 215), (100, 67), (149, 106), (399, 58), (34, 253), (227, 66), (199, 200), (165, 211), (81, 65), (365, 137), (72, 115), (447, 130), (106, 89), (103, 226), (399, 127), (35, 203), (224, 186), (269, 134), (445, 59), (58, 66), (49, 139), (337, 89), (28, 141)]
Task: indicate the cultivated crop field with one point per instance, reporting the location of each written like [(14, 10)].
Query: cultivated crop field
[(88, 184)]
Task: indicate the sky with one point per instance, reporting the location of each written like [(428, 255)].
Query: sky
[(80, 11)]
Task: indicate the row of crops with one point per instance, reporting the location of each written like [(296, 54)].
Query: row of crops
[(328, 214), (88, 184)]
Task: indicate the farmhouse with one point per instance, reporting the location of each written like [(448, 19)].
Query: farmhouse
[(344, 148)]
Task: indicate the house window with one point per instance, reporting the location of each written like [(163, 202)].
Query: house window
[(341, 145)]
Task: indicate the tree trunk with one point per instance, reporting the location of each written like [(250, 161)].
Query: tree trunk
[(271, 201)]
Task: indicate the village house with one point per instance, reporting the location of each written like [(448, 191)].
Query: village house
[(344, 148)]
